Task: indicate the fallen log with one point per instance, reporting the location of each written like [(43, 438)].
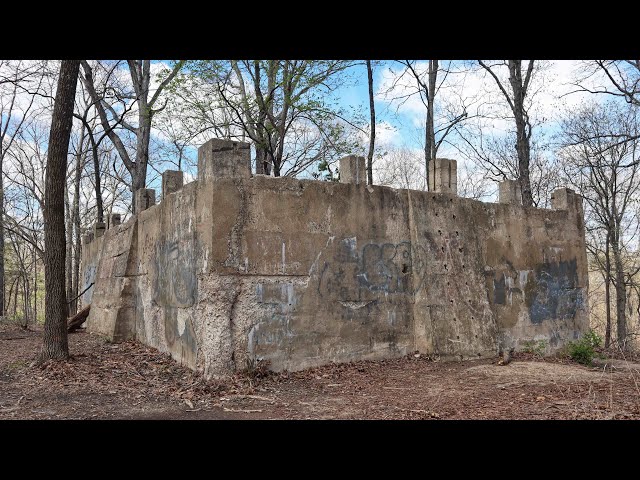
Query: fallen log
[(78, 319)]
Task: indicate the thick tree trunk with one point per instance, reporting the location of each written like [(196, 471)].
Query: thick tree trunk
[(372, 136), (55, 344)]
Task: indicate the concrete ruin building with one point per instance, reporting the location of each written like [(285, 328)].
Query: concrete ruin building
[(235, 268)]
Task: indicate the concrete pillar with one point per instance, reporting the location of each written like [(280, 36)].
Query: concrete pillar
[(113, 220), (443, 176), (145, 198), (563, 199), (172, 181), (98, 229), (509, 191), (567, 199), (223, 158), (353, 169)]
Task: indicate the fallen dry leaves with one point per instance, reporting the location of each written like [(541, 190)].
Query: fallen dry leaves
[(130, 380)]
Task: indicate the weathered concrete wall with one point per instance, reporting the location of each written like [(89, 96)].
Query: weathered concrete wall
[(234, 268)]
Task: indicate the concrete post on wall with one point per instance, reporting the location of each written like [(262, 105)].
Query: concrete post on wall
[(145, 198), (567, 199), (98, 229), (563, 199), (353, 169), (509, 191), (443, 176), (172, 181), (113, 220), (223, 158)]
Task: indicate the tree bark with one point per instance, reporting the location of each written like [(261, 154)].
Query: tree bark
[(372, 136), (77, 245), (69, 244), (55, 344), (519, 89), (139, 175), (430, 134), (607, 293), (621, 297), (523, 130), (96, 174), (35, 284)]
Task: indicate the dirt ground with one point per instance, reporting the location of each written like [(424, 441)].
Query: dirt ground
[(132, 381)]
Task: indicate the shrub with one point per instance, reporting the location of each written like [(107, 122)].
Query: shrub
[(583, 350)]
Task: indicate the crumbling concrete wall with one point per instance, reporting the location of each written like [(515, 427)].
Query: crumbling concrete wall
[(234, 268)]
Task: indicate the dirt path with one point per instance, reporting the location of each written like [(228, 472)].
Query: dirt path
[(131, 381)]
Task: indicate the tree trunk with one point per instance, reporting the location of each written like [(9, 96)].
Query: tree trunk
[(430, 134), (25, 298), (621, 297), (96, 174), (69, 244), (522, 133), (55, 344), (15, 298), (77, 244), (276, 168), (259, 160), (35, 284), (139, 175), (607, 293), (372, 137)]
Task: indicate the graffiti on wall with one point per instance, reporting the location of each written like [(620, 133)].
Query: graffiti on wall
[(389, 268), (556, 293), (176, 284), (550, 291)]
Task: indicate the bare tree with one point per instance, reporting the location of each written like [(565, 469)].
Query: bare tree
[(622, 79), (55, 344), (607, 174), (140, 73), (427, 81), (515, 93)]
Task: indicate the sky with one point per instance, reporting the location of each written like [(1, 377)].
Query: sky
[(402, 124)]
